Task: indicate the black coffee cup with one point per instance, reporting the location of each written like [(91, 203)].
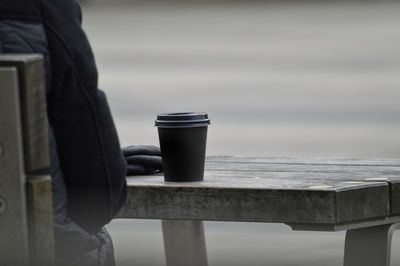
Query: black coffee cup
[(183, 138)]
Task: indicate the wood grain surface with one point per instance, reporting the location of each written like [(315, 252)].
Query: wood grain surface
[(40, 217), (33, 109), (13, 214), (360, 170), (263, 190)]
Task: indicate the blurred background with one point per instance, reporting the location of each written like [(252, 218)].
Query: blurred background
[(278, 78)]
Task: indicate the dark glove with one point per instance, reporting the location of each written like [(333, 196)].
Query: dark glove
[(142, 160)]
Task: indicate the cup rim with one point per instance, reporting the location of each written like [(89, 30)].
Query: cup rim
[(182, 119)]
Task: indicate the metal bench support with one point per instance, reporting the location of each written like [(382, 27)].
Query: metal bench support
[(370, 246), (184, 243)]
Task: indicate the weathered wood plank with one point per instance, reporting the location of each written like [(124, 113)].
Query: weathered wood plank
[(24, 146), (337, 169), (357, 177), (262, 200), (294, 160), (13, 215), (307, 168), (395, 195), (33, 106), (40, 217)]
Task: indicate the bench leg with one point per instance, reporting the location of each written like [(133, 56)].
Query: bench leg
[(370, 246), (184, 243)]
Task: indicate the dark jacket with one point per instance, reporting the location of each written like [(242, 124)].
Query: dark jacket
[(85, 139)]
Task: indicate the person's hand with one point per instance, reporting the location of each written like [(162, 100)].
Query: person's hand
[(142, 160)]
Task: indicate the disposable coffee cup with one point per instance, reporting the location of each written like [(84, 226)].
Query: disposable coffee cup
[(183, 138)]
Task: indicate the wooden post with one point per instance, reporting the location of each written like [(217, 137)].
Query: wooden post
[(13, 213), (32, 98), (24, 145), (40, 219)]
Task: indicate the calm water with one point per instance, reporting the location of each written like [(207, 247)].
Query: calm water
[(277, 80)]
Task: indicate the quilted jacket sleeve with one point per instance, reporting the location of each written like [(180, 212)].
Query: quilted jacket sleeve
[(87, 140)]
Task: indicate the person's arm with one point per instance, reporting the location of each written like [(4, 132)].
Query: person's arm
[(87, 140)]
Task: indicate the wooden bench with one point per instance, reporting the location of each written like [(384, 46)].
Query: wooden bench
[(360, 196), (26, 223)]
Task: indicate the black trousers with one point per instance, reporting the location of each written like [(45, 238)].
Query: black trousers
[(74, 246)]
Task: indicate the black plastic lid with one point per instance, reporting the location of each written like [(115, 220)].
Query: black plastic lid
[(189, 119)]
